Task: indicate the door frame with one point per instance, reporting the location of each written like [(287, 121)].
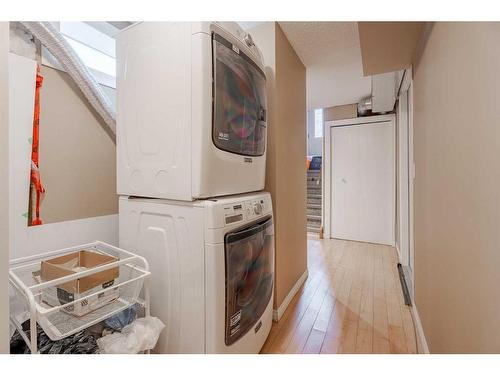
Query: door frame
[(403, 182), (4, 187), (327, 157), (407, 170)]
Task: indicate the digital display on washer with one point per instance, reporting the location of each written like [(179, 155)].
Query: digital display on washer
[(234, 218)]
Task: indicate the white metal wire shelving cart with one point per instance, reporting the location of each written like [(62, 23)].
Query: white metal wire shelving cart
[(26, 293)]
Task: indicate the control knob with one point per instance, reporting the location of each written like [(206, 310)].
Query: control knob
[(257, 208), (248, 40)]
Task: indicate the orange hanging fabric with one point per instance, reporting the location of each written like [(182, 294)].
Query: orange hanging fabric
[(37, 190)]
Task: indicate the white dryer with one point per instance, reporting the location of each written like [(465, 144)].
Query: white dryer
[(212, 266), (191, 111)]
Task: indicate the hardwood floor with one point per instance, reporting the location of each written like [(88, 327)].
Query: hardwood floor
[(350, 303)]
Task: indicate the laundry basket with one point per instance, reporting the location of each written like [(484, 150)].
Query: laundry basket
[(58, 320)]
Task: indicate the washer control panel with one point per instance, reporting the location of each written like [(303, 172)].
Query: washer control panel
[(247, 210)]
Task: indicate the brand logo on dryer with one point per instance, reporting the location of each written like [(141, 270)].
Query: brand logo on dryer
[(223, 136), (248, 160)]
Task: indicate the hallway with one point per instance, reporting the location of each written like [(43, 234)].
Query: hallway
[(350, 303)]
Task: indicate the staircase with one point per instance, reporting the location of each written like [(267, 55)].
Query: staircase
[(313, 201)]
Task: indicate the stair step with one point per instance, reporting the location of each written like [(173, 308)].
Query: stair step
[(313, 229), (314, 225), (314, 196), (314, 200), (314, 218), (312, 191), (313, 178), (316, 206), (314, 186), (313, 172)]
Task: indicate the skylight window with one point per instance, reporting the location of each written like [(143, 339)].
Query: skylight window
[(95, 48), (93, 58)]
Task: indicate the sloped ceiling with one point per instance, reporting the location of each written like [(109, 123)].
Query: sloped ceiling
[(332, 56)]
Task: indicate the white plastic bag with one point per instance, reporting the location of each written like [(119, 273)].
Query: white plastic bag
[(142, 334)]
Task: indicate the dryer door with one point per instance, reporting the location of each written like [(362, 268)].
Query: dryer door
[(239, 119), (249, 259)]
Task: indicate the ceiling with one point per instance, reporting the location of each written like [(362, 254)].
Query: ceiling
[(332, 55)]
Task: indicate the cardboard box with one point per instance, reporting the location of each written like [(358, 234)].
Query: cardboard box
[(72, 263)]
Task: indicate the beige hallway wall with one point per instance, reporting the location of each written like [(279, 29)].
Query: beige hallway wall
[(457, 194), (340, 112), (286, 154), (388, 46), (77, 156), (291, 150)]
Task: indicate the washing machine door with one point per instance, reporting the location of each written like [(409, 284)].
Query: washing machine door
[(249, 259), (239, 119)]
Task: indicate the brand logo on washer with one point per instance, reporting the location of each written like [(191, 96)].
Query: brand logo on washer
[(235, 319), (248, 160), (258, 326)]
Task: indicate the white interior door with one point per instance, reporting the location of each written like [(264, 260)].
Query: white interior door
[(362, 172)]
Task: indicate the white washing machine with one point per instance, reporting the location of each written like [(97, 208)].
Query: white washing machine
[(191, 111), (212, 266)]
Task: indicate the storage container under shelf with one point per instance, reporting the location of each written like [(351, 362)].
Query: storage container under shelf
[(57, 321)]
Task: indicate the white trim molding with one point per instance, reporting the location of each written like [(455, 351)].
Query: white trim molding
[(423, 348), (398, 250), (277, 314), (4, 187)]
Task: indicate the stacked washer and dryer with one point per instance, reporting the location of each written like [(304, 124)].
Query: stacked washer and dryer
[(191, 145)]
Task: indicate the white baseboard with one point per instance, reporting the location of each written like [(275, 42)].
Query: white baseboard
[(423, 348), (277, 314)]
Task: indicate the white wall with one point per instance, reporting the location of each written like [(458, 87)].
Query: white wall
[(314, 145), (24, 240), (4, 187), (16, 239), (22, 71), (329, 86), (54, 236)]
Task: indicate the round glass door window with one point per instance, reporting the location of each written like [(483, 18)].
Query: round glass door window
[(239, 121)]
